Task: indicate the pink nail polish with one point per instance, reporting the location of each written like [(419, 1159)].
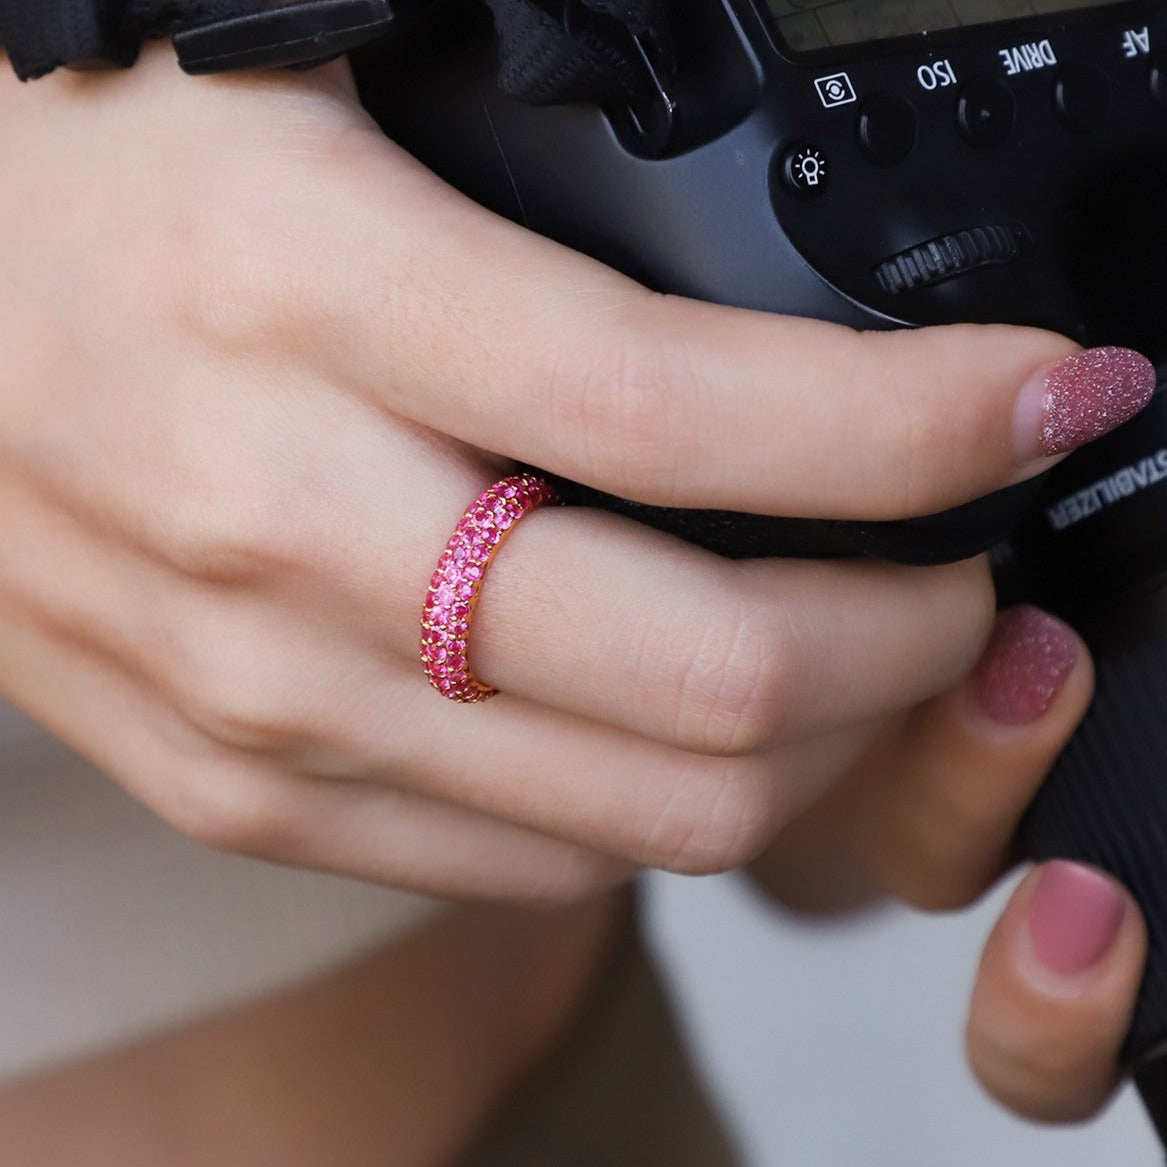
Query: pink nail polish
[(1023, 668), (1083, 397), (1074, 917)]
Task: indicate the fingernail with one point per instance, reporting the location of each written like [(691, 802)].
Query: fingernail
[(1081, 398), (1023, 668), (1074, 917)]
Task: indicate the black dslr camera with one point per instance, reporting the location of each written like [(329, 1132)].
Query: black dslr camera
[(882, 163)]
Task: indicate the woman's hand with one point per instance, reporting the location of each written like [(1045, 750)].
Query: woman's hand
[(930, 815), (256, 362)]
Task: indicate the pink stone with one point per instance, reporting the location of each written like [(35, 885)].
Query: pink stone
[(454, 586)]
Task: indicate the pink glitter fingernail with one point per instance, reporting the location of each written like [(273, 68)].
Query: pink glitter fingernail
[(1085, 396), (1026, 663)]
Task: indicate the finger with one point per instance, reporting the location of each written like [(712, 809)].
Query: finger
[(953, 788), (929, 814), (253, 651), (564, 364), (204, 762), (1055, 991), (235, 802), (249, 679), (342, 254), (714, 656), (255, 534)]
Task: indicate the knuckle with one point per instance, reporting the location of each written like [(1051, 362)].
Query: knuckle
[(959, 605), (719, 820), (244, 288), (226, 808), (233, 289), (624, 402), (237, 694), (1043, 1076), (232, 526), (735, 682), (925, 399)]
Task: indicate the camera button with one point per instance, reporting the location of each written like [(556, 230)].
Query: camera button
[(1158, 81), (804, 169), (985, 111), (887, 128), (1082, 96)]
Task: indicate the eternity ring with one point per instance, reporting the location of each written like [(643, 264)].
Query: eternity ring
[(457, 580)]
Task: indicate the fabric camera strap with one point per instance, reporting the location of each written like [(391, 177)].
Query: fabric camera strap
[(550, 50), (40, 35), (578, 50)]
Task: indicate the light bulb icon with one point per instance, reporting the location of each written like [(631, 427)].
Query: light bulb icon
[(809, 167), (805, 169)]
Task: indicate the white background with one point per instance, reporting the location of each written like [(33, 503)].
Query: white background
[(840, 1045)]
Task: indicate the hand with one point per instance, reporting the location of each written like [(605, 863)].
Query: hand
[(930, 816), (256, 362)]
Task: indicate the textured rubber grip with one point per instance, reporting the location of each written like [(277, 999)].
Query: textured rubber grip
[(1105, 802)]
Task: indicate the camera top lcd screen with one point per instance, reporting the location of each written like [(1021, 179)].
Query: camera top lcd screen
[(807, 25)]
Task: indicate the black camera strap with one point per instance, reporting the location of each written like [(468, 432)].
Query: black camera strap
[(210, 35), (558, 51), (580, 50), (42, 34)]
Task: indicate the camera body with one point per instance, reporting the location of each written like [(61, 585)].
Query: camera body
[(992, 171), (882, 163), (978, 173)]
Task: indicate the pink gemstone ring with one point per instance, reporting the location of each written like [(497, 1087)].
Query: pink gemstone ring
[(457, 580)]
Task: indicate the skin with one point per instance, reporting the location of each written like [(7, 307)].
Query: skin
[(255, 361)]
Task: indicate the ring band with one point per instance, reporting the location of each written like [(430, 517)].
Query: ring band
[(457, 580)]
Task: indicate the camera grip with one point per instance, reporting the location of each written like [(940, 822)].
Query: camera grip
[(945, 537), (1105, 804)]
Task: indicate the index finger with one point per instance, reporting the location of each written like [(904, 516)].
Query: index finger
[(467, 323)]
